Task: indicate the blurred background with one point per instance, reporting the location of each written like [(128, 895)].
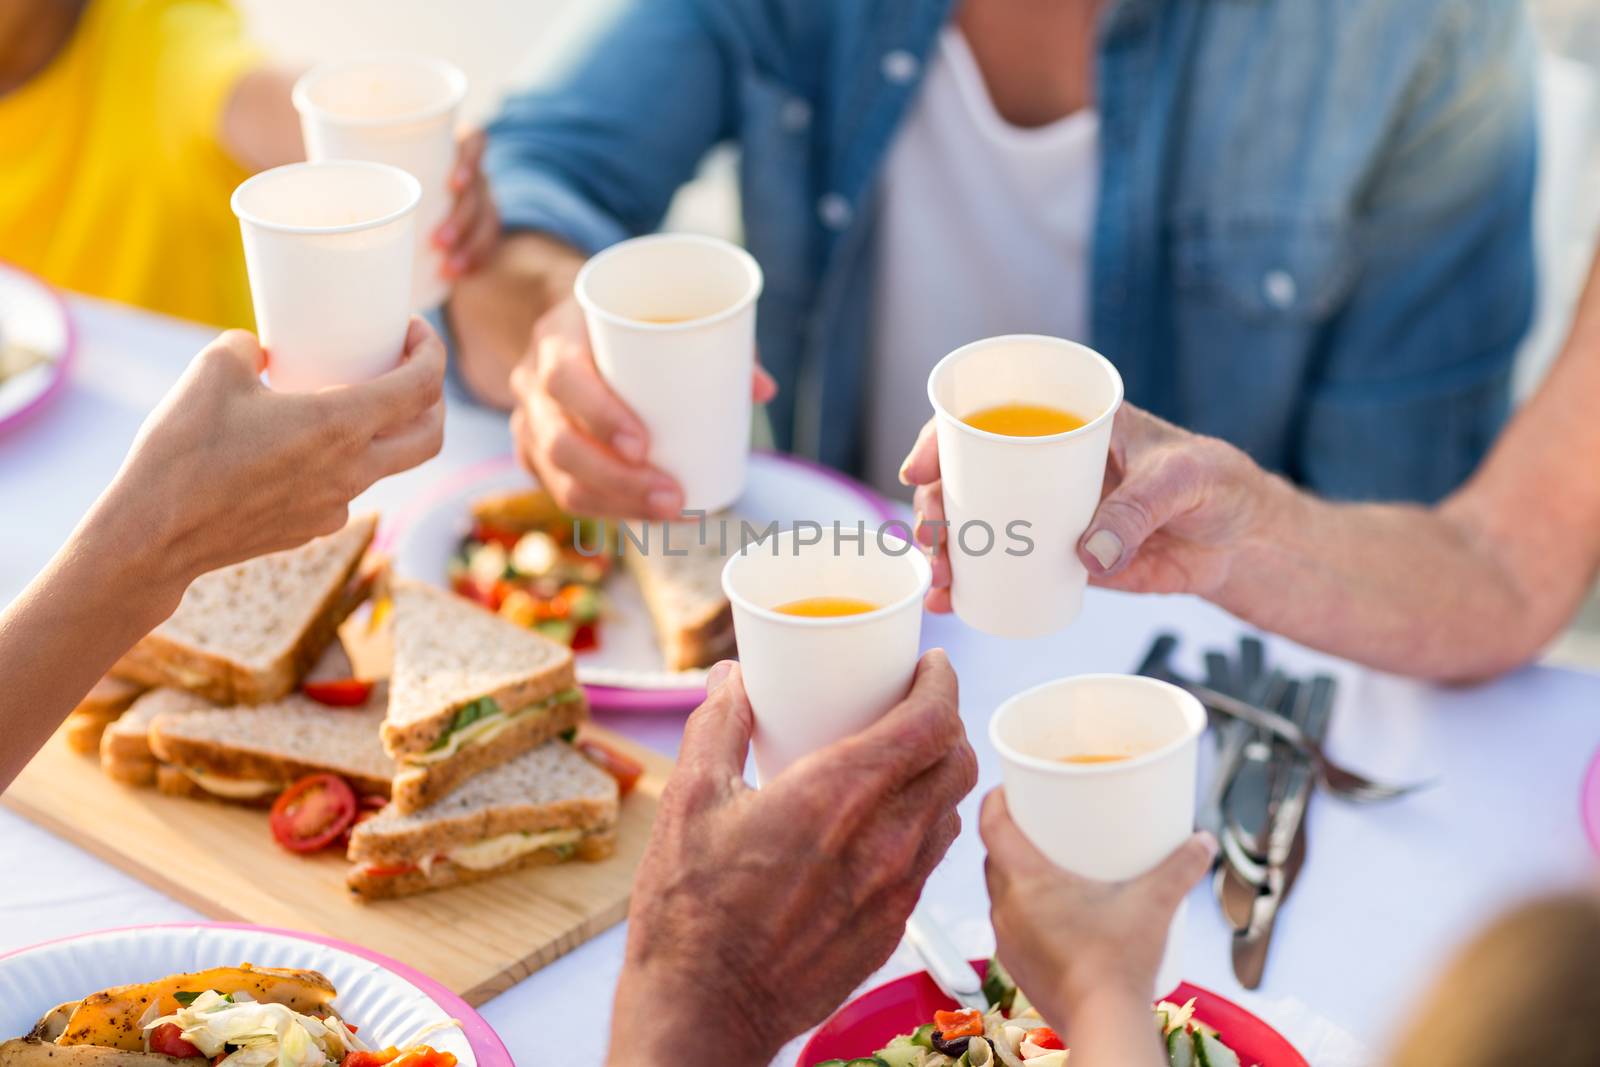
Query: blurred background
[(500, 43)]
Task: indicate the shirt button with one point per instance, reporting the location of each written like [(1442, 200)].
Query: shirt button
[(899, 66), (835, 211), (1280, 288), (796, 115)]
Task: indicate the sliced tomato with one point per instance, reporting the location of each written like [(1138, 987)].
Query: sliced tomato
[(954, 1024), (167, 1040), (490, 534), (424, 1056), (313, 813), (625, 769), (586, 636), (339, 692), (1044, 1037), (393, 870), (370, 1059), (367, 806)]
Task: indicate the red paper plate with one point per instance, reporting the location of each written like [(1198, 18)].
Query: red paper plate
[(868, 1023)]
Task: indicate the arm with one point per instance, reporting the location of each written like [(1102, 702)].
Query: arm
[(585, 164), (216, 475)]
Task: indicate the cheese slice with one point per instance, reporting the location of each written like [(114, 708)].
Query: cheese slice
[(484, 730), (497, 851), (232, 788)]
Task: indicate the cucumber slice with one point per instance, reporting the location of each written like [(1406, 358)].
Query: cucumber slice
[(998, 987), (1180, 1050), (1213, 1053), (922, 1036), (902, 1053)]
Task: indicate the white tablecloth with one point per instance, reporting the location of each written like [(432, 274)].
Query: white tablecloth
[(1386, 891)]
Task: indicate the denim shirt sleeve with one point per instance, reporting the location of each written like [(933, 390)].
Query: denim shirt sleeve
[(1445, 240), (597, 156)]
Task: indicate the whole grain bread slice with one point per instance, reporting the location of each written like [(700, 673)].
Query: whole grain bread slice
[(125, 754), (449, 653), (103, 706), (680, 575), (552, 787), (248, 633), (367, 886), (280, 742)]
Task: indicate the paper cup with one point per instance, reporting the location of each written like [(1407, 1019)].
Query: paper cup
[(672, 321), (328, 247), (814, 681), (1017, 505), (399, 110), (1107, 821)]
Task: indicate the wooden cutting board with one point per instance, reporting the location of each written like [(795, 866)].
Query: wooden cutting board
[(221, 860)]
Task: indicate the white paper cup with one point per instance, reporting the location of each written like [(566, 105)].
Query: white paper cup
[(687, 379), (399, 110), (328, 247), (1002, 493), (814, 681), (1107, 821)]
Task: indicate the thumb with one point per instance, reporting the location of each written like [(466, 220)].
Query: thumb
[(717, 736), (239, 348), (1154, 490), (1170, 881)]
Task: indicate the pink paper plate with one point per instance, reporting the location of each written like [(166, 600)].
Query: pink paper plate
[(33, 312), (420, 537), (486, 1045), (869, 1021), (1591, 803)]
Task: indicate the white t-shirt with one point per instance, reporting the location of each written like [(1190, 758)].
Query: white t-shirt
[(986, 228)]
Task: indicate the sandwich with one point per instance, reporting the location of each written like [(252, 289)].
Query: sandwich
[(250, 754), (680, 575), (546, 806), (248, 633), (468, 691), (103, 706), (125, 754)]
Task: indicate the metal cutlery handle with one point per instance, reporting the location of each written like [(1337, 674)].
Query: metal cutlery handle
[(948, 967)]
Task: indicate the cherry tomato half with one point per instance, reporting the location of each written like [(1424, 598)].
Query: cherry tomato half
[(1044, 1037), (313, 812), (625, 769), (490, 534), (167, 1040), (424, 1056), (339, 692), (586, 636)]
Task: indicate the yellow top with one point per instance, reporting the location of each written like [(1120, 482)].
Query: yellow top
[(115, 181)]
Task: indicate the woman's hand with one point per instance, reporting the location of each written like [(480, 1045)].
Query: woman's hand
[(588, 449), (468, 235), (755, 913), (1085, 952), (225, 469), (1176, 510)]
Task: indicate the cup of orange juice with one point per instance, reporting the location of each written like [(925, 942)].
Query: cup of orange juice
[(1100, 774), (672, 321), (1024, 424), (396, 109), (828, 633)]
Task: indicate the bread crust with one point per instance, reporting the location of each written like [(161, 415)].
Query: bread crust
[(242, 763), (364, 887), (140, 773), (83, 729), (158, 660), (417, 787), (419, 735)]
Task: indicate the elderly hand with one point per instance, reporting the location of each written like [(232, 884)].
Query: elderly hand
[(582, 442), (1175, 510), (1069, 941), (225, 469), (468, 234), (755, 913)]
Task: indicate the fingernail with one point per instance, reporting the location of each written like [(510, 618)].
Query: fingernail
[(904, 478), (445, 234), (1105, 547), (663, 503), (717, 675), (629, 445)]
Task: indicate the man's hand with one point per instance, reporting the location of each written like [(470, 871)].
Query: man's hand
[(587, 447), (756, 913), (1174, 513), (1069, 940), (467, 236)]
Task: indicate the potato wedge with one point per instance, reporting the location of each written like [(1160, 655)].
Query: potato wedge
[(32, 1052), (53, 1023), (111, 1017)]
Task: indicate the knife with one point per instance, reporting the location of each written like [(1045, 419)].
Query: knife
[(1250, 947), (947, 966)]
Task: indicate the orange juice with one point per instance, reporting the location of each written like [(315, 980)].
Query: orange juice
[(1024, 420), (665, 320), (1094, 757), (826, 607)]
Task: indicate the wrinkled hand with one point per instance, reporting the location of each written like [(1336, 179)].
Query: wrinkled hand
[(587, 448), (1175, 509), (468, 235), (755, 913), (225, 469), (1066, 939)]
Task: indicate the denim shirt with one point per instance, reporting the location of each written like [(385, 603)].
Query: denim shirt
[(1314, 236)]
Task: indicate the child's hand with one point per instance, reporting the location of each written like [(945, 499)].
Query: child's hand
[(469, 234)]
